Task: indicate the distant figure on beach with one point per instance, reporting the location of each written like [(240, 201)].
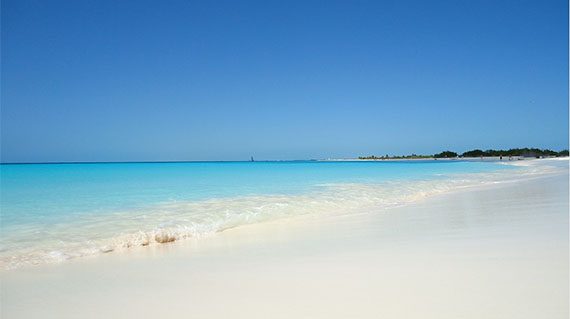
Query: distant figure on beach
[(501, 158)]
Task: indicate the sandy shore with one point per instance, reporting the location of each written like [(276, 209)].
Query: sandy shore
[(495, 252)]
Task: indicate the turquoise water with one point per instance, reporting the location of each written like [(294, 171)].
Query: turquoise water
[(60, 211), (48, 192)]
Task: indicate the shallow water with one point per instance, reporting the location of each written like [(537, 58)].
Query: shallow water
[(53, 212)]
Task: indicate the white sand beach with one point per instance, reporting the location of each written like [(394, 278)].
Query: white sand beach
[(498, 251)]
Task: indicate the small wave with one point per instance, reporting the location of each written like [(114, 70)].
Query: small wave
[(174, 221)]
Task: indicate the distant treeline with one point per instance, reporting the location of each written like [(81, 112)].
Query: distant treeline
[(525, 152), (515, 152)]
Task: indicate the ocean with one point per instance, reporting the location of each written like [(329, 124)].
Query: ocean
[(54, 212)]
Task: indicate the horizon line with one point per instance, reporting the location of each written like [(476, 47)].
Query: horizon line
[(150, 162), (357, 158)]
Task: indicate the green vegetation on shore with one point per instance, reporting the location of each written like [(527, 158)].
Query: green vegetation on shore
[(514, 152), (526, 152), (445, 154)]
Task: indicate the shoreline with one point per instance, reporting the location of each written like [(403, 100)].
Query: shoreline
[(327, 201), (478, 253), (330, 200)]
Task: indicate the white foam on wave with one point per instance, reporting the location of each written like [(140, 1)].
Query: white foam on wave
[(174, 221)]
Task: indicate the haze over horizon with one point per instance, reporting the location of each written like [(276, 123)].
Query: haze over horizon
[(184, 80)]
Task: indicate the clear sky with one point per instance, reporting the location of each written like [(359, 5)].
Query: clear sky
[(106, 80)]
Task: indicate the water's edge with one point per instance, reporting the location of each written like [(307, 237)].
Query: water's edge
[(175, 221)]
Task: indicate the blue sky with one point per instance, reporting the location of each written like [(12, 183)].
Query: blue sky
[(223, 80)]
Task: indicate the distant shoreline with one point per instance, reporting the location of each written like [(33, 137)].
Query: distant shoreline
[(484, 158)]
